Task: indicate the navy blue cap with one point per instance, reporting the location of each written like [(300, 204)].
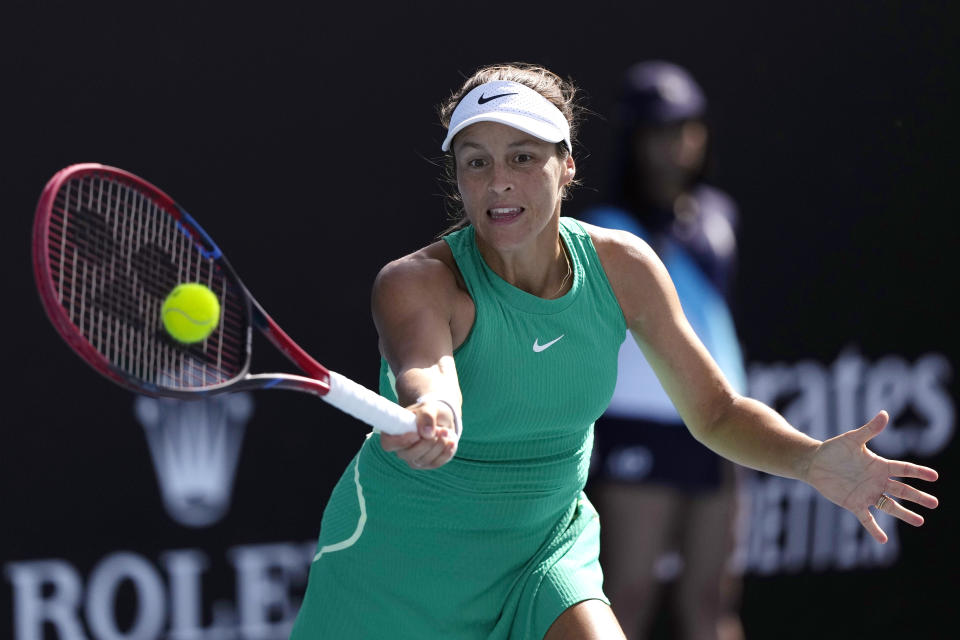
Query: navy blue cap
[(657, 92)]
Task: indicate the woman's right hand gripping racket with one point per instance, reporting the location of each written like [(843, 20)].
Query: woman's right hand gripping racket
[(109, 247)]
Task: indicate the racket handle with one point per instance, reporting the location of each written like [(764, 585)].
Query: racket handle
[(372, 408)]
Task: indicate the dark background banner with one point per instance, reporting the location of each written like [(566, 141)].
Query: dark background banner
[(304, 138)]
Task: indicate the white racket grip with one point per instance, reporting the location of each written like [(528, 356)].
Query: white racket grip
[(372, 408)]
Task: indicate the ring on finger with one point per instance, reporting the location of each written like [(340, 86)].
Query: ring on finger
[(881, 501)]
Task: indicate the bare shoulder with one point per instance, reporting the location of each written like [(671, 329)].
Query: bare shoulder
[(419, 297), (622, 254), (423, 290), (633, 268), (617, 247), (427, 271)]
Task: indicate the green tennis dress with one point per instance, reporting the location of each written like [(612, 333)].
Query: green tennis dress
[(500, 540)]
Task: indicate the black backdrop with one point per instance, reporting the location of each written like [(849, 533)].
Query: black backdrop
[(303, 137)]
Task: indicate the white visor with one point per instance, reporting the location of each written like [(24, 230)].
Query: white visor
[(514, 105)]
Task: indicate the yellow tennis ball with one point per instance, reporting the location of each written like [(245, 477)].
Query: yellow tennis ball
[(191, 312)]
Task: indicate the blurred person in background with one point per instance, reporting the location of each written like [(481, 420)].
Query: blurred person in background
[(668, 504)]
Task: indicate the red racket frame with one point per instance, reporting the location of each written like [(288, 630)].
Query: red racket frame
[(318, 380)]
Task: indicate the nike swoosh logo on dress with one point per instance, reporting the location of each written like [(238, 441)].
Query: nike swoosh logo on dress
[(537, 347)]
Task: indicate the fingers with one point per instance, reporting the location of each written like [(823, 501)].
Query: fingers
[(399, 442), (870, 524), (902, 469), (865, 433), (432, 445), (426, 422), (438, 453), (895, 509), (906, 492), (422, 453)]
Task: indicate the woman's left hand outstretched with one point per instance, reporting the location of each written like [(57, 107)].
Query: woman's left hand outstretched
[(852, 476)]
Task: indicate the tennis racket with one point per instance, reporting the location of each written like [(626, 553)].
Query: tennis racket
[(108, 247)]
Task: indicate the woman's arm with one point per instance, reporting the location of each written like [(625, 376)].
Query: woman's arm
[(739, 428), (413, 301)]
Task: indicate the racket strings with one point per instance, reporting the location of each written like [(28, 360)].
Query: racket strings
[(115, 254)]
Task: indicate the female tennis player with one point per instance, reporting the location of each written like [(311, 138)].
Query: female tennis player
[(502, 338)]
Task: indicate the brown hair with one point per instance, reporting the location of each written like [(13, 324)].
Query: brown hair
[(561, 93)]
